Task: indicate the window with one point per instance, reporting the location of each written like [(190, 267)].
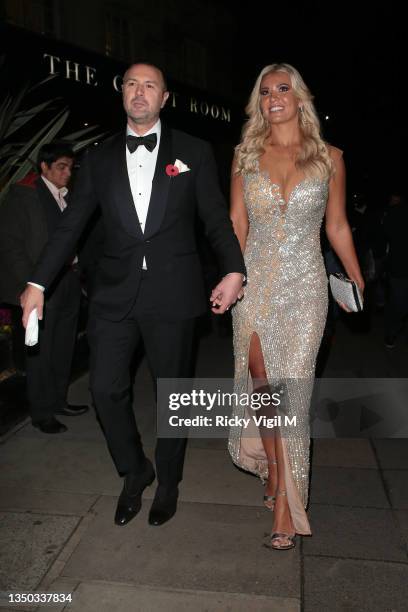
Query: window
[(34, 15), (118, 35)]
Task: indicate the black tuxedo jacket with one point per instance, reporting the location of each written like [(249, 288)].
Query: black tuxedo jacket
[(168, 242), (28, 218)]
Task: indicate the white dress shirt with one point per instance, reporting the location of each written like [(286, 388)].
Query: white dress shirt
[(59, 194), (141, 166)]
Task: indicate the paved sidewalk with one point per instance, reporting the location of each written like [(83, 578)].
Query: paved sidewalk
[(58, 497)]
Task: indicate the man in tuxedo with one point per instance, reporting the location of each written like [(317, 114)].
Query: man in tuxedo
[(28, 218), (151, 182)]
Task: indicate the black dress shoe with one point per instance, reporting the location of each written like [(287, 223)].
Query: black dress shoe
[(50, 426), (164, 506), (130, 500), (71, 410)]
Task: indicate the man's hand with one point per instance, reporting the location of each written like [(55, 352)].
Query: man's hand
[(31, 298), (226, 292)]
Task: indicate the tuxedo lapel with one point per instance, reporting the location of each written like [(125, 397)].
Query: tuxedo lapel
[(121, 186), (46, 198), (161, 183)]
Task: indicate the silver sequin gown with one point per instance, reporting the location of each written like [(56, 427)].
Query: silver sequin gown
[(285, 303)]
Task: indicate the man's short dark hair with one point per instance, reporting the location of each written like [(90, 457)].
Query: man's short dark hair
[(146, 63), (50, 152)]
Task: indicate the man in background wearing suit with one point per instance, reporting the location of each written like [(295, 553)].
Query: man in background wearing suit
[(28, 220), (150, 182)]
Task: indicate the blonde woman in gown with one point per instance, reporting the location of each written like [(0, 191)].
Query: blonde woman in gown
[(285, 178)]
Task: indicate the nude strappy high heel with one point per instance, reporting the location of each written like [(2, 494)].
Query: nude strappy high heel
[(269, 500), (281, 540)]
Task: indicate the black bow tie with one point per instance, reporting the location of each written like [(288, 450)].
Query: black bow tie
[(148, 141)]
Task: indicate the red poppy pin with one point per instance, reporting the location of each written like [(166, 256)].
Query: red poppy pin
[(172, 170), (176, 168)]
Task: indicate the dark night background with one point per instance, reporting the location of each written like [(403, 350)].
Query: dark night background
[(352, 56)]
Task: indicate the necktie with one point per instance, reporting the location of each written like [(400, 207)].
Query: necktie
[(148, 141), (61, 202)]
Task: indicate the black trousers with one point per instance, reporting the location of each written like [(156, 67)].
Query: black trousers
[(396, 306), (48, 363), (168, 345)]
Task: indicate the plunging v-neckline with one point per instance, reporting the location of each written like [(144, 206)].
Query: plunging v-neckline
[(279, 188)]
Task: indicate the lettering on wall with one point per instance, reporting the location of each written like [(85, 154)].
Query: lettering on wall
[(87, 75)]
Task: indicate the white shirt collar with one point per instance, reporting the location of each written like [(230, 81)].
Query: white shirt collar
[(155, 128), (56, 192)]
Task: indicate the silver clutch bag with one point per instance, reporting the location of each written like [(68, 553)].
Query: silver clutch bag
[(346, 291)]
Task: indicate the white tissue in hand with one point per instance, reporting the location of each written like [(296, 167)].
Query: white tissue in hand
[(31, 335)]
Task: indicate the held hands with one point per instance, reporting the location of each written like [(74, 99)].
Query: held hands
[(31, 298), (227, 292)]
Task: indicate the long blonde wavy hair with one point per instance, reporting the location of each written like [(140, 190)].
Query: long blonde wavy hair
[(314, 158)]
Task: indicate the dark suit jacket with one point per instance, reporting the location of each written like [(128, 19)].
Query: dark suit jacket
[(168, 243), (27, 218)]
